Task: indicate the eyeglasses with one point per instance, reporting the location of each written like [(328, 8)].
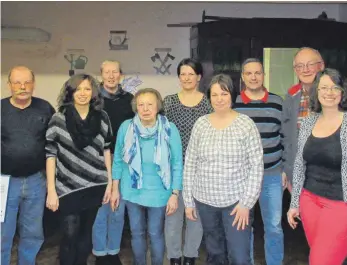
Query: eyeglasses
[(334, 89), (18, 85), (310, 66)]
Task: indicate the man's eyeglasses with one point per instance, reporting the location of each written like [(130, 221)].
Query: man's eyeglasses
[(310, 66), (18, 85), (334, 89)]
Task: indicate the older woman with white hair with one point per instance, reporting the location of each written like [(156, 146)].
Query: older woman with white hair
[(148, 164)]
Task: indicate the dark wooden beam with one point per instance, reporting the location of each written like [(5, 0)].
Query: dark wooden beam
[(182, 25)]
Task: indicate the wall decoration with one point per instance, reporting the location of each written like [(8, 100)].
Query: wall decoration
[(163, 66), (118, 40), (77, 60), (130, 83)]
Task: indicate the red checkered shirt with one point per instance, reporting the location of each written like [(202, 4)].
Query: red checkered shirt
[(303, 109)]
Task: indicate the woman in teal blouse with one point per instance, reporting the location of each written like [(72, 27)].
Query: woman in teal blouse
[(148, 163)]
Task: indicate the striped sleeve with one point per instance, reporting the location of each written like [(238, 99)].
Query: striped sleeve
[(51, 135)]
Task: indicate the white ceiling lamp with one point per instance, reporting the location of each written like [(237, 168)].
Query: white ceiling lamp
[(25, 34)]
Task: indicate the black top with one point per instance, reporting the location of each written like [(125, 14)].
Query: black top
[(184, 117), (23, 137), (323, 158), (118, 109)]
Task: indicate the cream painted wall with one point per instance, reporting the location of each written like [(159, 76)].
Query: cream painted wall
[(86, 25), (48, 85)]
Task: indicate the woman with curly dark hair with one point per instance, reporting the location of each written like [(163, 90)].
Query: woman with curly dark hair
[(78, 165)]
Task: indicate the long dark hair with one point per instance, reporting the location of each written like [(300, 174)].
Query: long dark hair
[(65, 97)]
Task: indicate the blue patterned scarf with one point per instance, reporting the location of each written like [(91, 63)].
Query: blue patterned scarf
[(132, 152)]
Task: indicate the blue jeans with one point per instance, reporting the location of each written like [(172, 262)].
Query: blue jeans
[(155, 226), (108, 230), (26, 198), (224, 243), (270, 202)]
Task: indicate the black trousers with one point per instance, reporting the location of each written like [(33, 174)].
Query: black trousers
[(76, 242)]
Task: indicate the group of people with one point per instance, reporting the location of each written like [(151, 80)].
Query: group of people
[(193, 161)]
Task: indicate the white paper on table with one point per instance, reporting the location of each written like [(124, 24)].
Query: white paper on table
[(4, 183)]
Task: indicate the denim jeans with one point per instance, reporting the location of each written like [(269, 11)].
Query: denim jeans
[(224, 243), (155, 227), (108, 230), (76, 242), (173, 234), (26, 198), (270, 202)]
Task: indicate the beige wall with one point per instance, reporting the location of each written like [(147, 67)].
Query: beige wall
[(49, 85), (86, 25)]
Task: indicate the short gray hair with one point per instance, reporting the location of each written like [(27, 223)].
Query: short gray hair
[(153, 91), (307, 48), (251, 60)]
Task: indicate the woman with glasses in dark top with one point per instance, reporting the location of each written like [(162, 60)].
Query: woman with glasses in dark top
[(319, 193)]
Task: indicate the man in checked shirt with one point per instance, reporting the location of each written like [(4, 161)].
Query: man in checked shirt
[(307, 62)]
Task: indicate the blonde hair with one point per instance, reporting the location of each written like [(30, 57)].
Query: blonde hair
[(110, 61), (20, 67)]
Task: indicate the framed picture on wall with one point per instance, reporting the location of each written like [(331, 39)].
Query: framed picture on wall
[(118, 40)]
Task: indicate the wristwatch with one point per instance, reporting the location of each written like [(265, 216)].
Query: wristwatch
[(175, 193)]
